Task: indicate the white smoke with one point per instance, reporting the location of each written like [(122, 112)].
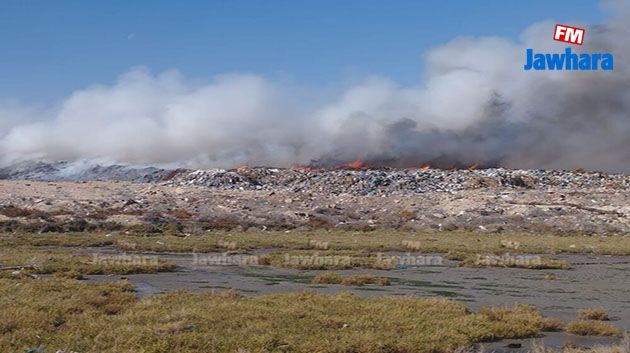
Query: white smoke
[(477, 105)]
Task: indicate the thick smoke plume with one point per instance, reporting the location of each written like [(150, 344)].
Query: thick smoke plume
[(477, 105)]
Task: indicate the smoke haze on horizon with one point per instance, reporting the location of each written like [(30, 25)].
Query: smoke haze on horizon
[(476, 105)]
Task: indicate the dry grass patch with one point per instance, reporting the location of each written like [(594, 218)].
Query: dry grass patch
[(57, 239), (375, 241), (600, 314), (71, 315), (35, 312), (592, 328), (572, 347), (552, 325), (65, 262), (360, 280), (520, 317)]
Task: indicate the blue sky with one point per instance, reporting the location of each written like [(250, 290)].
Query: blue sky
[(50, 48)]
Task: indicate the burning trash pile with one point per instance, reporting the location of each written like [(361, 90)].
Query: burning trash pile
[(354, 178), (384, 182)]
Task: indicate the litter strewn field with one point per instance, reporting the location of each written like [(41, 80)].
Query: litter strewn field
[(381, 182), (280, 199)]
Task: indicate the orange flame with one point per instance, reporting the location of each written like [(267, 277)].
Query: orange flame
[(424, 167), (473, 166), (358, 164)]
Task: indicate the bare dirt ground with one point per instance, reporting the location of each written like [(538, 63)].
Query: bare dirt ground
[(486, 209)]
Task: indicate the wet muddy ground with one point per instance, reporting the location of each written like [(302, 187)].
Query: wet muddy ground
[(593, 281)]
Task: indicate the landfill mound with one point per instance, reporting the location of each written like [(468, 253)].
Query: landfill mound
[(187, 201), (334, 181), (379, 182)]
